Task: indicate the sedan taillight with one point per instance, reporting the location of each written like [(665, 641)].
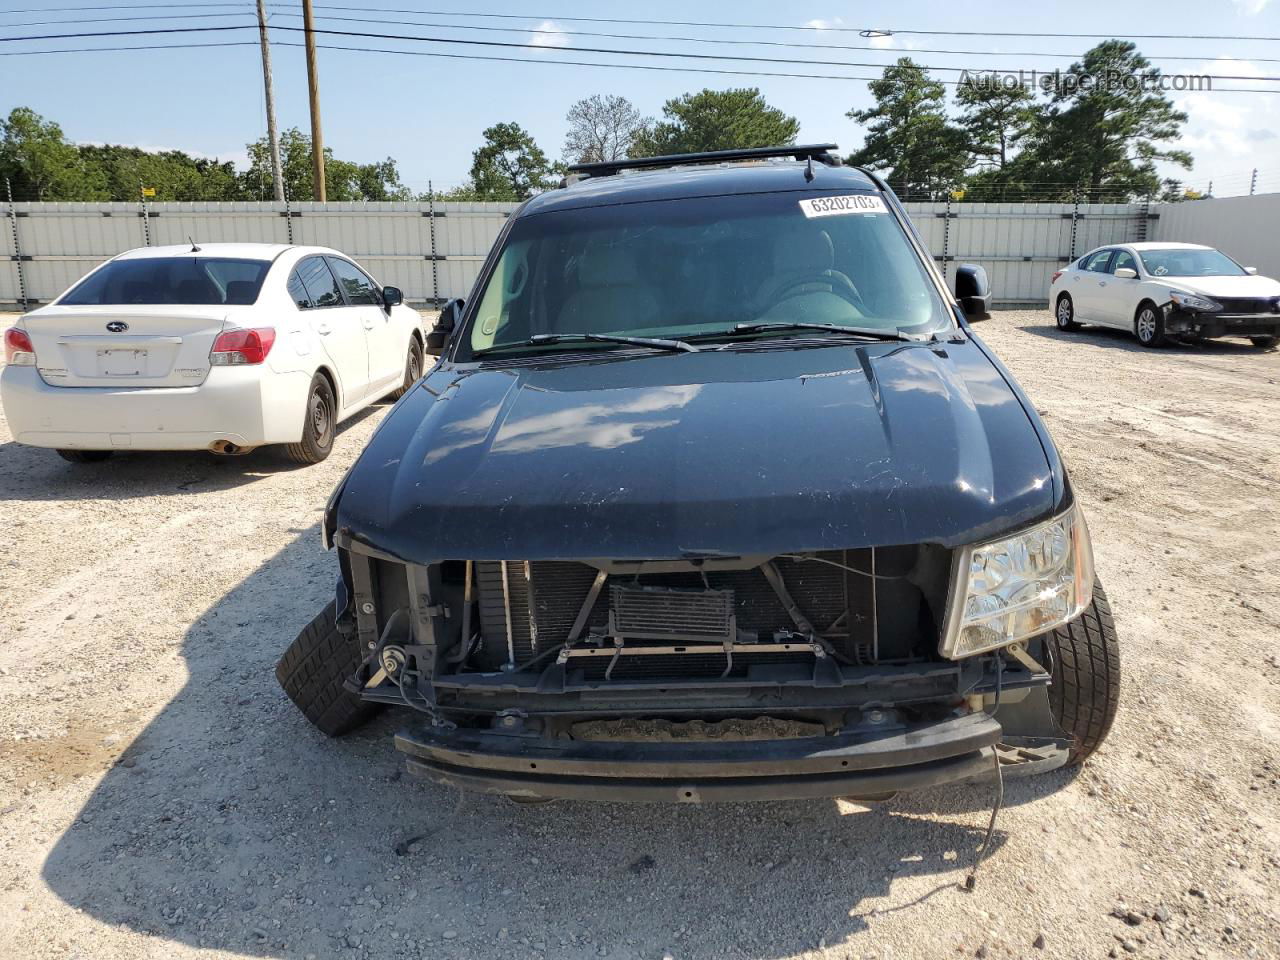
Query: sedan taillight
[(240, 347), (18, 350)]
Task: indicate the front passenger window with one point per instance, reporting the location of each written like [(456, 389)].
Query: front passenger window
[(1124, 259), (359, 289)]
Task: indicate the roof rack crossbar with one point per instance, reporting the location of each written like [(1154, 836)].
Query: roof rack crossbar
[(814, 151)]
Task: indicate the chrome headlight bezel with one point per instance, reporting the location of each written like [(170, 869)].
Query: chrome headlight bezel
[(1046, 581), (1194, 301)]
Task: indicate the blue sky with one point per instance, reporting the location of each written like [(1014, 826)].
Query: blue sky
[(428, 112)]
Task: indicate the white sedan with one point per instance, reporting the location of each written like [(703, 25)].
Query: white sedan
[(217, 346), (1162, 290)]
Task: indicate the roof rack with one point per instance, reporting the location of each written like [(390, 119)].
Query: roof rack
[(608, 168)]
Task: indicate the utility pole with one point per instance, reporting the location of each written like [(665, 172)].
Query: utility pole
[(273, 134), (313, 91)]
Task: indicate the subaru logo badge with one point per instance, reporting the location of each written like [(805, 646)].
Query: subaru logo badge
[(117, 326)]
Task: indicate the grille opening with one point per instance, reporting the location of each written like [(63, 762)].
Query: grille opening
[(545, 600)]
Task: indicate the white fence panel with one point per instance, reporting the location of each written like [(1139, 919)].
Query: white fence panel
[(1241, 227), (435, 251)]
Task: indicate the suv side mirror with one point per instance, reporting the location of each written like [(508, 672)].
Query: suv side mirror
[(973, 292), (446, 323), (392, 297), (1126, 273)]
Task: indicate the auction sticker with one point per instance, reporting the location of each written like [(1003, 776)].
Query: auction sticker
[(842, 206)]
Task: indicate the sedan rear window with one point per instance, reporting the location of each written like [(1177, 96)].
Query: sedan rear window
[(195, 281)]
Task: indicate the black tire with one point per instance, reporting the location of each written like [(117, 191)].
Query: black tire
[(1064, 313), (84, 456), (412, 369), (313, 670), (1085, 669), (1264, 343), (1148, 325), (319, 424)]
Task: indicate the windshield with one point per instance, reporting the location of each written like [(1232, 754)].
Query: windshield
[(1190, 263), (695, 268), (171, 280)]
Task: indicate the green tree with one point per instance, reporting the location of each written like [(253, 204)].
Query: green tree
[(602, 127), (174, 175), (995, 116), (510, 166), (907, 132), (41, 163), (716, 120), (1106, 126), (344, 180)]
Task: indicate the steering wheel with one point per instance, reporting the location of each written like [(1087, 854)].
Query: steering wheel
[(840, 285)]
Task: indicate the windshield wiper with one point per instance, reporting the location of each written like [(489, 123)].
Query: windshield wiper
[(544, 338), (866, 333)]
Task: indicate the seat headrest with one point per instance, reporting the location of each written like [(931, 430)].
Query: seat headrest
[(808, 251), (603, 265)]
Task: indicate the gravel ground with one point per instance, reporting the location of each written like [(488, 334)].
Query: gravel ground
[(160, 798)]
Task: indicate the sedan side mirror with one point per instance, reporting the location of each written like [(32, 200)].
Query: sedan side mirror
[(392, 297), (973, 292), (1126, 273), (446, 323), (1251, 271)]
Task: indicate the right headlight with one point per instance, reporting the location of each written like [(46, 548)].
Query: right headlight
[(1018, 587)]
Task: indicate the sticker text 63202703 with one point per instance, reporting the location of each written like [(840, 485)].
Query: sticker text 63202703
[(838, 206)]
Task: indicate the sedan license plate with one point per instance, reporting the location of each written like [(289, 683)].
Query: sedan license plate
[(121, 363)]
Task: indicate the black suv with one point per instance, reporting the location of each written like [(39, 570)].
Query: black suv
[(713, 495)]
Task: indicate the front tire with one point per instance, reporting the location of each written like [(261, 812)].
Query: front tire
[(1264, 343), (412, 369), (1085, 669), (319, 426), (84, 456), (313, 670), (1065, 314), (1148, 325)]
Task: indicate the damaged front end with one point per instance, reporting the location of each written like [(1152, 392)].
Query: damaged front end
[(706, 678)]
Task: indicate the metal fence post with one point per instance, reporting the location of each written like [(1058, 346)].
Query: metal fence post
[(146, 217), (435, 266), (1075, 218), (288, 218), (17, 245), (1253, 181)]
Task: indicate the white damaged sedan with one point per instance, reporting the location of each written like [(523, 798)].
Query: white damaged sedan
[(218, 346)]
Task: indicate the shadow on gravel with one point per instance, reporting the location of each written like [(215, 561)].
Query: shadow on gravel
[(34, 473), (1122, 340), (231, 824)]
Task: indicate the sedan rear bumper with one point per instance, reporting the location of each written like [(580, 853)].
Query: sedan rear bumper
[(853, 764), (237, 405)]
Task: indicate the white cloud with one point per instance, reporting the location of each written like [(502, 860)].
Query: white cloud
[(549, 34), (1223, 130), (1251, 8)]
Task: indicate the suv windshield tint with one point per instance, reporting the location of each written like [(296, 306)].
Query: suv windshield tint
[(171, 280), (682, 268), (1190, 263)]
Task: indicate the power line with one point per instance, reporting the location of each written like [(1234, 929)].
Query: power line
[(862, 31), (650, 66), (734, 42), (119, 6), (613, 51), (149, 46), (151, 17)]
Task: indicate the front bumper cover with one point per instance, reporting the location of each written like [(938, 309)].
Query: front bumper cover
[(859, 763), (1221, 325)]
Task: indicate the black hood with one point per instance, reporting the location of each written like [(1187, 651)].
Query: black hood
[(737, 452)]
